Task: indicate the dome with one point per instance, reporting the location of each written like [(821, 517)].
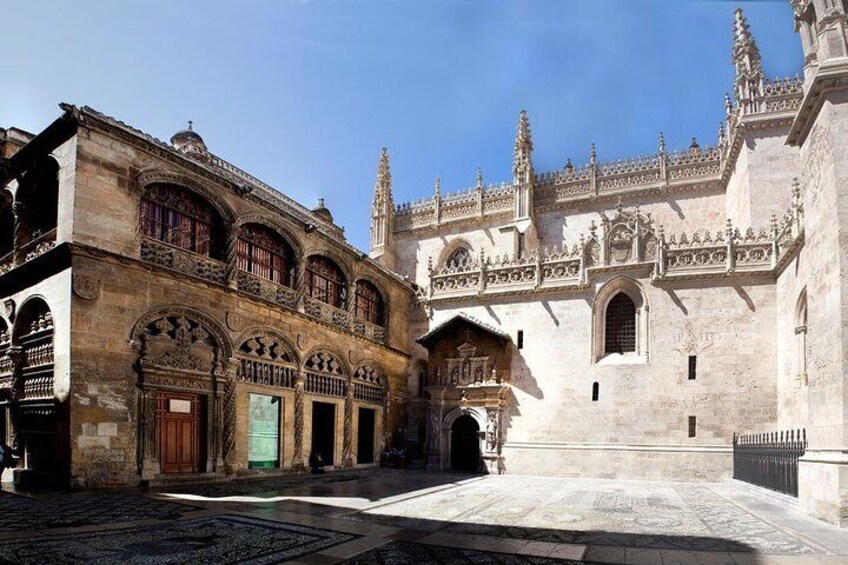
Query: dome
[(322, 211), (188, 139)]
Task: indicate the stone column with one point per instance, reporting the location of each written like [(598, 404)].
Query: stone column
[(19, 211), (347, 441), (231, 257), (147, 434), (297, 458)]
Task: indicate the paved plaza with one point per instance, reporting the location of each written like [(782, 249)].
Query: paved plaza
[(398, 517)]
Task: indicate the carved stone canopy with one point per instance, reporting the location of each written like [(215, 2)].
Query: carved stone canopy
[(434, 336)]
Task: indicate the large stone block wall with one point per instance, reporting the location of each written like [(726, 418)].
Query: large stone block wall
[(640, 403), (761, 182), (104, 424)]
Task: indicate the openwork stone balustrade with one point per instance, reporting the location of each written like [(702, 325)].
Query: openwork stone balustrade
[(214, 271), (627, 240)]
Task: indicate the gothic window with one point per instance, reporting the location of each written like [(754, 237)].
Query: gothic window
[(325, 282), (620, 327), (178, 217), (265, 254), (595, 391), (369, 303), (460, 257), (620, 323)]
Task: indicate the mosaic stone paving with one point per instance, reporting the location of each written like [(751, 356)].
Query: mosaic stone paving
[(21, 513), (638, 515), (200, 541), (408, 553)]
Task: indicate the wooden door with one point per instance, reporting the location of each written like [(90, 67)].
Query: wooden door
[(179, 432)]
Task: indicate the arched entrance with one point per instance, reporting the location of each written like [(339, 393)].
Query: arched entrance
[(465, 445)]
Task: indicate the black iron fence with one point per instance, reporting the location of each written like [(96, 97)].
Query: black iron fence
[(769, 460)]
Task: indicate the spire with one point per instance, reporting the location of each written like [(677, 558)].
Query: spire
[(383, 185), (479, 178), (746, 59), (438, 187), (593, 155), (661, 143), (522, 165)]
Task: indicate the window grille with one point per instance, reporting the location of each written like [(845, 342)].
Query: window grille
[(595, 392), (520, 339), (325, 282), (459, 258), (177, 217), (620, 334), (693, 360), (264, 254), (369, 303), (693, 426)]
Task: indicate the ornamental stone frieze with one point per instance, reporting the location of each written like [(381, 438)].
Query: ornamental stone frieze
[(626, 240)]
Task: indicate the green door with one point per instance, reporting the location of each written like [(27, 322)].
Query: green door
[(264, 435)]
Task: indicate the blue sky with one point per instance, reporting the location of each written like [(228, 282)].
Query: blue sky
[(304, 93)]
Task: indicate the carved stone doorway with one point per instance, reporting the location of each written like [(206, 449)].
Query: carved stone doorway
[(465, 445), (324, 431)]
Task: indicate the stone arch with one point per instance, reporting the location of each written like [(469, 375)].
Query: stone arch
[(419, 377), (336, 294), (160, 176), (605, 294), (479, 417), (341, 262), (208, 323), (452, 247), (384, 298), (308, 357), (284, 229), (184, 366), (282, 342), (370, 371)]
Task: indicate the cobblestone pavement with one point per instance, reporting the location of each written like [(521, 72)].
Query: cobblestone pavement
[(412, 517)]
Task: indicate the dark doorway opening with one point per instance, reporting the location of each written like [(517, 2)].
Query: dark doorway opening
[(365, 453), (324, 431), (465, 445)]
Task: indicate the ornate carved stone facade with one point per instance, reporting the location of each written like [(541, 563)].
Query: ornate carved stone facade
[(169, 329), (640, 296)]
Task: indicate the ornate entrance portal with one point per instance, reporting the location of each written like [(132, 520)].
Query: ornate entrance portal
[(468, 382), (465, 445)]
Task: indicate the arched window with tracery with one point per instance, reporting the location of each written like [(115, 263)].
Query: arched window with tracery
[(369, 303), (179, 217), (460, 257), (264, 253), (325, 281), (620, 325)]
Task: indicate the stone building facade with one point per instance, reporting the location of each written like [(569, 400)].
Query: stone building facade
[(626, 319), (167, 316)]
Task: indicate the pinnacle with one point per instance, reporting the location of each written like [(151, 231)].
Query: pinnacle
[(383, 184), (744, 45)]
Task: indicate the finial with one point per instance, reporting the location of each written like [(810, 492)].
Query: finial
[(438, 186), (728, 105), (569, 167), (662, 143), (746, 55), (521, 162), (694, 148), (479, 178), (593, 155), (190, 124), (383, 184), (321, 203), (722, 138)]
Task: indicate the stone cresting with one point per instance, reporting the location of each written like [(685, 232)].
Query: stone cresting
[(775, 102), (628, 238)]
